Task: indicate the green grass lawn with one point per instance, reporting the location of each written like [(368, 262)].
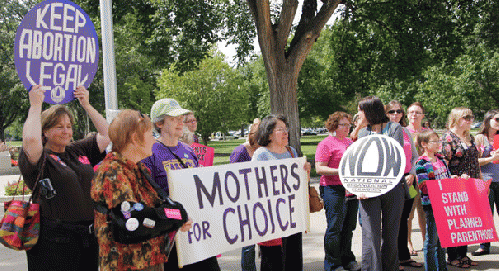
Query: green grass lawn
[(224, 148)]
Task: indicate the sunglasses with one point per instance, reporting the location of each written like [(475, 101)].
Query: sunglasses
[(398, 111), (496, 119), (469, 117)]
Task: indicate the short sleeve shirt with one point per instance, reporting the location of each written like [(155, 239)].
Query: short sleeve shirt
[(70, 173), (163, 158), (331, 150), (240, 154)]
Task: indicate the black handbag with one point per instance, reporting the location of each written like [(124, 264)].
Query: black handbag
[(144, 223)]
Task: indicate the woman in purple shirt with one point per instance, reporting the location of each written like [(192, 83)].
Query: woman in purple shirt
[(169, 153)]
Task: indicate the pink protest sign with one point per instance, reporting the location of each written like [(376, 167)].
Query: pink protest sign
[(462, 212), (205, 154)]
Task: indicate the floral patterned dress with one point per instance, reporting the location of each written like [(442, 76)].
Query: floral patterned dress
[(462, 159)]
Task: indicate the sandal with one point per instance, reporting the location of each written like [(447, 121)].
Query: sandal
[(468, 261), (411, 263), (458, 263)]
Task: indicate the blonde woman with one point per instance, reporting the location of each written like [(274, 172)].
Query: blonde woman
[(459, 149)]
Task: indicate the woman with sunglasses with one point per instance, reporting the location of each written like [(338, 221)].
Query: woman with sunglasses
[(169, 152), (488, 161), (396, 114), (459, 149)]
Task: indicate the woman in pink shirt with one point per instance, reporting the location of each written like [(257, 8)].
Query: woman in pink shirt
[(341, 207), (416, 114), (396, 114)]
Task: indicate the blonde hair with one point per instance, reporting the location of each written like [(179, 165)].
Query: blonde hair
[(454, 116), (125, 125)]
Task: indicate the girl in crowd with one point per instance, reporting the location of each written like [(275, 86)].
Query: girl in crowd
[(168, 152), (65, 242), (396, 114), (381, 214), (490, 170), (459, 149), (416, 114), (431, 166), (341, 208), (243, 153), (277, 254), (123, 178)]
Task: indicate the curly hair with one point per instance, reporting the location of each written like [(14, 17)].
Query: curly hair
[(334, 119)]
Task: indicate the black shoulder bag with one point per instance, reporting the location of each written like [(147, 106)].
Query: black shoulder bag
[(138, 223)]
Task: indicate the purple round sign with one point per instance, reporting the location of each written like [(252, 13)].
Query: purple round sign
[(56, 47)]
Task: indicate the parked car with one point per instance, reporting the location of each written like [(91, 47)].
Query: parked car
[(308, 132), (476, 125)]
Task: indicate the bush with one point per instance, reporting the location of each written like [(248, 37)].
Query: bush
[(14, 189)]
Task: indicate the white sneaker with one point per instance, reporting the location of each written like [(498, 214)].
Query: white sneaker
[(353, 266)]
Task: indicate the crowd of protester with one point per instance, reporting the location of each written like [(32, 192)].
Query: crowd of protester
[(133, 175)]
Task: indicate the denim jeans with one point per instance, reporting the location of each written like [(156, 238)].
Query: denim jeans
[(434, 253), (341, 216), (248, 258), (493, 199)]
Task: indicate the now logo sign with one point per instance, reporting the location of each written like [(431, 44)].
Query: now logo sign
[(372, 166)]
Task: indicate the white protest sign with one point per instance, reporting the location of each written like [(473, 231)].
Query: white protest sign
[(240, 204), (372, 166)]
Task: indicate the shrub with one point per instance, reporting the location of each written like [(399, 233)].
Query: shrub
[(14, 189)]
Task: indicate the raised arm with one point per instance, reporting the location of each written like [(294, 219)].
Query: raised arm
[(32, 130), (100, 123)]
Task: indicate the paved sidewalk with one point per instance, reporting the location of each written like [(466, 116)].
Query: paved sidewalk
[(313, 248)]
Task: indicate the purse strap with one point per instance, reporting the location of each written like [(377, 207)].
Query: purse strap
[(174, 154), (290, 151), (36, 187)]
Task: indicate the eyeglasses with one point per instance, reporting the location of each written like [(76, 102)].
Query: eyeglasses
[(398, 111), (469, 117), (438, 141), (345, 125), (283, 130), (191, 121)]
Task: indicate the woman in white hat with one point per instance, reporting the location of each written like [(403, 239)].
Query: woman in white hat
[(168, 119)]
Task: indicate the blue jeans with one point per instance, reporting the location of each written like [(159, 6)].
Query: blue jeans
[(248, 258), (493, 199), (434, 253), (341, 216)]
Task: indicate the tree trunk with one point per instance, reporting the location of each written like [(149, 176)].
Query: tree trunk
[(282, 62), (282, 85)]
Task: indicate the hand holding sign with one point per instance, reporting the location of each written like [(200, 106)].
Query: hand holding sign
[(36, 96), (81, 93), (372, 166)]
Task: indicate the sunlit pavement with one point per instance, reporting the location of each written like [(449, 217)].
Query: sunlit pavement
[(313, 248)]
